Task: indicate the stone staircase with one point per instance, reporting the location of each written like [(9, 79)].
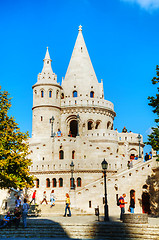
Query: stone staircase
[(57, 210), (44, 228)]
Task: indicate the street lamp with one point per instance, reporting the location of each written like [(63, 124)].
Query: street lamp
[(78, 124), (104, 167), (52, 122), (139, 139), (72, 170)]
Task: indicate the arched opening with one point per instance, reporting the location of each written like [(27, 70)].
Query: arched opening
[(108, 125), (47, 182), (73, 128), (37, 183), (61, 154), (74, 94), (57, 94), (62, 95), (79, 182), (97, 125), (60, 182), (50, 94), (90, 125), (73, 154), (42, 93), (91, 94), (54, 183)]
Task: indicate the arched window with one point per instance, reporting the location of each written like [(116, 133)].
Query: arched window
[(42, 93), (62, 95), (97, 125), (108, 125), (91, 94), (79, 182), (73, 154), (47, 182), (50, 94), (61, 154), (90, 125), (73, 128), (57, 94), (37, 183), (54, 182), (60, 182), (74, 94)]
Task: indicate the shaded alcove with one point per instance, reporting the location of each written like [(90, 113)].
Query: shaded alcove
[(74, 128)]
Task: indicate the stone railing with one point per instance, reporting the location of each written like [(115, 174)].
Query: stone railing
[(101, 133), (87, 103), (130, 137)]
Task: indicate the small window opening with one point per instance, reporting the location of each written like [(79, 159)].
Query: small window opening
[(42, 94), (74, 94), (61, 154), (60, 182), (91, 94), (50, 94)]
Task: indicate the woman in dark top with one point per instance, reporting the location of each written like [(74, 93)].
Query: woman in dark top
[(146, 200), (132, 201)]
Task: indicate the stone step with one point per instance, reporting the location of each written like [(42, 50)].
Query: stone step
[(113, 231)]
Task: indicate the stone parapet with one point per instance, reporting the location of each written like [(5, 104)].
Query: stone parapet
[(87, 103)]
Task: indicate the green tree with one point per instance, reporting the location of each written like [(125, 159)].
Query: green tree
[(153, 138), (14, 149)]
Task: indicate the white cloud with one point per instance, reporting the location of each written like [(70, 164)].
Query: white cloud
[(146, 4), (149, 131)]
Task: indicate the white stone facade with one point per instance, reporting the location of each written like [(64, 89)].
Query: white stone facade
[(78, 105)]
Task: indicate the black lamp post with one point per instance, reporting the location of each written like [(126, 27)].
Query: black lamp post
[(52, 122), (78, 124), (72, 170), (104, 167), (139, 139)]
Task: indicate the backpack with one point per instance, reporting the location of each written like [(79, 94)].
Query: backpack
[(118, 200)]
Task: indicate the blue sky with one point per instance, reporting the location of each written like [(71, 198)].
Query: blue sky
[(122, 39)]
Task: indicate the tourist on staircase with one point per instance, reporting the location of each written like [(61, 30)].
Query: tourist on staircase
[(33, 197), (44, 198), (67, 206), (132, 201), (25, 209), (52, 199), (122, 205)]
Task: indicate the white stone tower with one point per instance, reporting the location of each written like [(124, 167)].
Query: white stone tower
[(86, 119), (46, 101)]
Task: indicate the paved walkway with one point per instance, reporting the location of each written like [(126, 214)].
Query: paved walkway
[(91, 219)]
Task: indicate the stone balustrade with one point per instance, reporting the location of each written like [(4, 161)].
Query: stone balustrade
[(87, 103)]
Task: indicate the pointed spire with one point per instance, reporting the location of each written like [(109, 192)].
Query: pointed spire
[(47, 63), (47, 55), (80, 28), (47, 75), (80, 72)]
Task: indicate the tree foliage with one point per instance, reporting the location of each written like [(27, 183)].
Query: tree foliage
[(14, 149), (153, 138)]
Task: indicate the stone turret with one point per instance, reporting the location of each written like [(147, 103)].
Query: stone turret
[(46, 100)]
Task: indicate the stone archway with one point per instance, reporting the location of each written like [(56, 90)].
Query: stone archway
[(74, 128)]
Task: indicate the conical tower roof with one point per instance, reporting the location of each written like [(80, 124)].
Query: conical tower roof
[(47, 76), (80, 72)]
